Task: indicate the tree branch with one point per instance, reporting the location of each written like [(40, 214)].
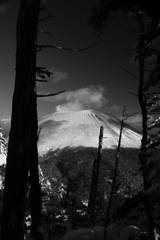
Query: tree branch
[(129, 115), (49, 95), (129, 72), (39, 131), (42, 8), (133, 94), (39, 68), (44, 2), (41, 31), (45, 18), (64, 48), (42, 72), (41, 80)]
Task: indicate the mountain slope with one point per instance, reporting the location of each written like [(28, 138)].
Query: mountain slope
[(81, 128)]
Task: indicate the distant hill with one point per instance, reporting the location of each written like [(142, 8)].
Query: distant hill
[(81, 128)]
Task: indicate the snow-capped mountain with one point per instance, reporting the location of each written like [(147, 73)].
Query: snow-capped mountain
[(81, 128)]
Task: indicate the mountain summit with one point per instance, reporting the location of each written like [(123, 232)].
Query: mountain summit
[(81, 128)]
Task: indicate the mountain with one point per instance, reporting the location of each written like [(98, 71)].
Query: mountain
[(6, 128), (81, 128)]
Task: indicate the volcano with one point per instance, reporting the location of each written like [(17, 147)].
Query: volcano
[(81, 128)]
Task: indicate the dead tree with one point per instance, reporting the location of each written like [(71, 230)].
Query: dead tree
[(94, 181), (114, 178)]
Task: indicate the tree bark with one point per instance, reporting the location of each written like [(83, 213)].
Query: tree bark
[(143, 105), (16, 177)]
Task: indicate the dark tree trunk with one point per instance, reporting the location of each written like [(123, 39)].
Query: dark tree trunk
[(16, 177), (91, 195), (143, 105), (94, 181), (107, 219)]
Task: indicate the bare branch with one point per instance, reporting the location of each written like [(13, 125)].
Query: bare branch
[(39, 68), (50, 95), (42, 8), (45, 18), (124, 109), (42, 72), (136, 95), (129, 72), (64, 48), (42, 31), (41, 80), (133, 94), (149, 117), (44, 2), (39, 131), (130, 115)]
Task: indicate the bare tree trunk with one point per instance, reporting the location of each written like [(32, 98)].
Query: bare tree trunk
[(114, 179), (95, 178), (16, 177)]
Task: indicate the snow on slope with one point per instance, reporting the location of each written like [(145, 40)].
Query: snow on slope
[(81, 128)]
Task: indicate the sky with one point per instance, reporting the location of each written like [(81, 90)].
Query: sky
[(92, 79)]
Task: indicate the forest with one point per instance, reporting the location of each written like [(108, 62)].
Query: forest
[(77, 193)]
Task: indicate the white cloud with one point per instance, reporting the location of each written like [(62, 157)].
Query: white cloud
[(115, 107), (76, 106), (136, 119), (6, 121), (80, 99)]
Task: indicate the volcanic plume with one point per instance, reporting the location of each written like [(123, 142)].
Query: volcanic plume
[(81, 128)]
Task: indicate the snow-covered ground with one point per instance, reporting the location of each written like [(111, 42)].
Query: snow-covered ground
[(81, 128)]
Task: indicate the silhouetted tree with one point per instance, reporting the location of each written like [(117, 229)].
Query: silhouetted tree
[(22, 147), (114, 177), (22, 158), (146, 14), (94, 181)]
